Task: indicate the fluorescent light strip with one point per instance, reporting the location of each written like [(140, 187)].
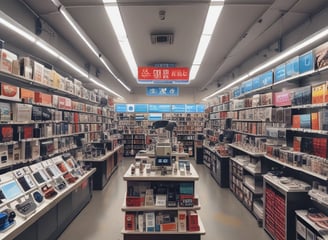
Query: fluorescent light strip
[(75, 27), (110, 70), (275, 60), (84, 37), (17, 30), (213, 13), (47, 49), (104, 87), (15, 27), (115, 18)]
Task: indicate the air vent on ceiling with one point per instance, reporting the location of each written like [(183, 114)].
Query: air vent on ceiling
[(162, 38)]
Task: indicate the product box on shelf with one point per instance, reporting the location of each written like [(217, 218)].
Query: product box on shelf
[(321, 56), (38, 71), (6, 59), (14, 152), (292, 67), (69, 86), (5, 111), (56, 79), (280, 73), (130, 222), (9, 92), (192, 221), (77, 88), (15, 67), (43, 98), (21, 112), (27, 96), (62, 83), (47, 77), (182, 221), (26, 69), (281, 99), (318, 93), (3, 153), (306, 62), (6, 133)]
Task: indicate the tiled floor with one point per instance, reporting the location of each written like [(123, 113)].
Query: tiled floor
[(223, 216)]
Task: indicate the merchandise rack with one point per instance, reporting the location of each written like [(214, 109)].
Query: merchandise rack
[(172, 178)]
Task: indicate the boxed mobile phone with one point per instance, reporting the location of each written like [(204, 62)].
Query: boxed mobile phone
[(38, 71), (77, 88), (27, 95), (43, 98), (26, 69), (5, 111), (21, 112), (9, 92), (47, 77), (6, 60)]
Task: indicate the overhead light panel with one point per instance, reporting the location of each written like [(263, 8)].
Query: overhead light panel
[(79, 32), (114, 15), (22, 31), (15, 28), (213, 13), (87, 40), (290, 52)]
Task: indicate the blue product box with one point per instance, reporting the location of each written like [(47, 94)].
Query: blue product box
[(292, 67), (280, 72), (306, 62)]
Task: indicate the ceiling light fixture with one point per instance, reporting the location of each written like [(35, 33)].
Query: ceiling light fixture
[(290, 52), (87, 40), (213, 13), (114, 15), (22, 31), (15, 28)]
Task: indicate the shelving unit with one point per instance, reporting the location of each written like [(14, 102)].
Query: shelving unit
[(218, 165), (133, 143), (280, 201), (105, 166), (174, 187)]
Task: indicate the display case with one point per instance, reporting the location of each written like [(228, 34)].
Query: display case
[(39, 201), (158, 206)]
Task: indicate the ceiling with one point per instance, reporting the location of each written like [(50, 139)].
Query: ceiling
[(244, 28)]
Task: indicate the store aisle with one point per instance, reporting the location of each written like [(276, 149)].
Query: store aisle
[(223, 215)]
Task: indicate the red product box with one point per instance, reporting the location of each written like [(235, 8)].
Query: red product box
[(61, 102), (9, 92), (192, 221), (296, 121), (28, 96), (134, 201), (28, 132), (6, 133), (130, 221), (43, 98)]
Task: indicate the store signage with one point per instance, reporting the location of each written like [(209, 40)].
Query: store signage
[(162, 74), (159, 108), (141, 108), (178, 108), (162, 91)]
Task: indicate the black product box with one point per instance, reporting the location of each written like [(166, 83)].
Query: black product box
[(46, 114), (36, 113), (67, 116)]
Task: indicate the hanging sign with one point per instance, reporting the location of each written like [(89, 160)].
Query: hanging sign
[(163, 91), (159, 74)]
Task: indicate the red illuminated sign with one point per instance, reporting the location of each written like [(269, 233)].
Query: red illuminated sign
[(160, 73)]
